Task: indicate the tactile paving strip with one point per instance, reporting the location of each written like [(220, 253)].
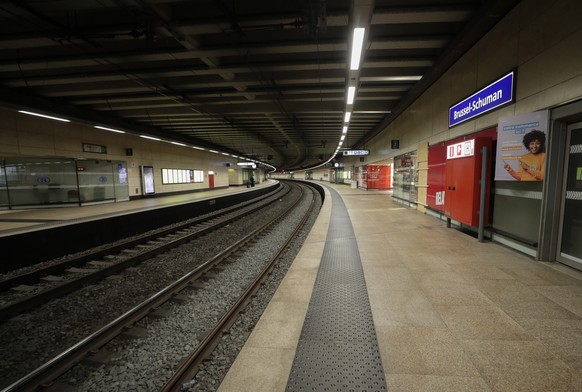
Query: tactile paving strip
[(338, 349)]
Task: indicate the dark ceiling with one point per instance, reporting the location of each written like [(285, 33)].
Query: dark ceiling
[(264, 79)]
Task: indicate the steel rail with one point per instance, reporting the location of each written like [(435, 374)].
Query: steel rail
[(34, 276), (57, 291), (51, 370), (190, 365)]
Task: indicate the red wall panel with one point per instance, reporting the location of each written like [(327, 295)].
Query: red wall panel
[(437, 158), (378, 177)]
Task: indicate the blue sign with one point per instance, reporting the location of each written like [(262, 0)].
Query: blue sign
[(491, 97), (356, 152)]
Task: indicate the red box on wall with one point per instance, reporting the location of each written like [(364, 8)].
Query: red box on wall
[(463, 175)]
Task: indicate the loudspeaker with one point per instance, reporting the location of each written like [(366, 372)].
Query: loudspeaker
[(129, 152)]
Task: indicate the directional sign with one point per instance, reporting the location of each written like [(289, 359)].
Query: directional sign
[(356, 152)]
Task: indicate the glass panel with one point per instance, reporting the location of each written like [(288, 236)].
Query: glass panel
[(517, 209), (572, 226), (121, 182), (405, 177), (96, 181), (4, 202), (40, 181)]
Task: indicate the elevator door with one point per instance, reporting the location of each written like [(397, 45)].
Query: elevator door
[(570, 250)]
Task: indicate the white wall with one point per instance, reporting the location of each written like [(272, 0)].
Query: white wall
[(25, 135), (541, 39)]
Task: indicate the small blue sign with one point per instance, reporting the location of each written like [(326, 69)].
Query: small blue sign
[(491, 97), (356, 152)]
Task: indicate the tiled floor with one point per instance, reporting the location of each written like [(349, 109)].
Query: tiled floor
[(451, 314)]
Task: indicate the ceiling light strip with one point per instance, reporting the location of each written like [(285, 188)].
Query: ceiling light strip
[(44, 116), (150, 137), (109, 129), (351, 95), (357, 45)]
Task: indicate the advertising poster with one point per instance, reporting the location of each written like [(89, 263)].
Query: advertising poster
[(148, 180), (521, 147), (122, 173)]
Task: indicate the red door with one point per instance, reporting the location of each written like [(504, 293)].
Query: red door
[(211, 181)]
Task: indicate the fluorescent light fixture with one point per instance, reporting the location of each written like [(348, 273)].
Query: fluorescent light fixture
[(109, 129), (343, 137), (347, 116), (150, 137), (178, 144), (216, 152), (345, 130), (199, 148), (351, 95), (357, 44), (396, 78), (44, 115), (224, 153), (247, 164), (340, 143)]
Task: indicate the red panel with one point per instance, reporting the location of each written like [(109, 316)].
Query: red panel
[(378, 177), (462, 185), (437, 158), (437, 172)]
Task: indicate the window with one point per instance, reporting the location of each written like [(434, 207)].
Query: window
[(181, 176), (198, 176)]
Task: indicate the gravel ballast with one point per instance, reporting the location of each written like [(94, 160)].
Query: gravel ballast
[(146, 363)]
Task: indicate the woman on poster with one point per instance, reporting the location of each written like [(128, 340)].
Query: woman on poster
[(531, 165)]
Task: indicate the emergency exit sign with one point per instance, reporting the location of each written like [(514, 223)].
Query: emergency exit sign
[(461, 150)]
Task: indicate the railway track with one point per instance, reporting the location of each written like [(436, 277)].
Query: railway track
[(26, 291), (44, 375), (190, 365)]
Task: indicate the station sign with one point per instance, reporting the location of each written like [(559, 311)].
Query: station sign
[(96, 148), (356, 152), (491, 97)]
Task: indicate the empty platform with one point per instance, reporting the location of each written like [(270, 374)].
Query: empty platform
[(448, 313), (33, 235)]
